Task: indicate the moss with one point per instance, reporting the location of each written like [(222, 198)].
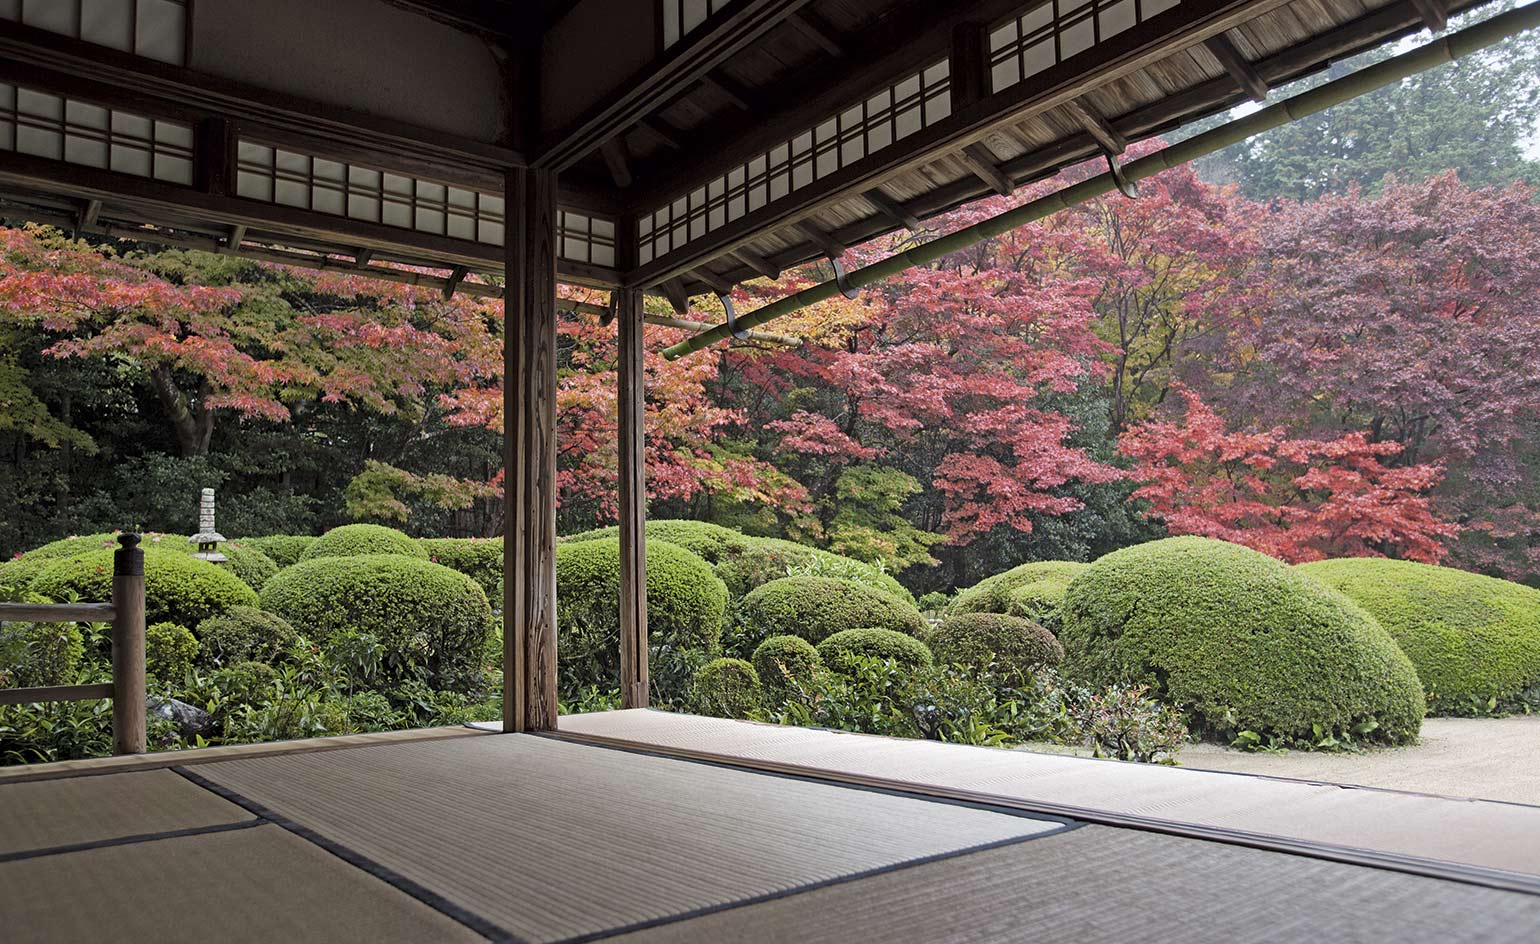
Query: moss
[(1472, 638), (177, 587), (430, 620), (480, 559), (782, 660), (727, 688), (993, 594), (357, 540), (1240, 641), (284, 549), (244, 634), (840, 650), (169, 651), (978, 640), (816, 608), (34, 654)]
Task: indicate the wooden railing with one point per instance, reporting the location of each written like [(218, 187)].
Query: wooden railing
[(126, 613)]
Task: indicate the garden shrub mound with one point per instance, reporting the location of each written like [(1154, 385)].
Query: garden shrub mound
[(783, 660), (1041, 603), (712, 543), (480, 559), (246, 562), (169, 651), (36, 654), (841, 650), (727, 688), (430, 620), (816, 608), (1472, 638), (178, 588), (1241, 642), (244, 634), (994, 594), (977, 640), (284, 549), (358, 540), (685, 606)]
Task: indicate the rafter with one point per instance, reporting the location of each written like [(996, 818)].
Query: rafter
[(816, 31), (1433, 13), (618, 161), (1097, 126), (756, 262), (985, 166), (1239, 67), (815, 234), (887, 206)]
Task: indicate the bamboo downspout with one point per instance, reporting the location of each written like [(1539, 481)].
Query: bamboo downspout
[(1435, 53)]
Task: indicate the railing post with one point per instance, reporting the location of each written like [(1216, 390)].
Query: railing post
[(128, 712)]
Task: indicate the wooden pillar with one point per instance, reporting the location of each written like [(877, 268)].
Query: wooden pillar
[(529, 468), (630, 399), (128, 708)]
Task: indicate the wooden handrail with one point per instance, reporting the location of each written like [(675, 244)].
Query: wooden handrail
[(28, 696), (56, 612)]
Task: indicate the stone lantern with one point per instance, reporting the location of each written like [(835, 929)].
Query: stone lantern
[(207, 538)]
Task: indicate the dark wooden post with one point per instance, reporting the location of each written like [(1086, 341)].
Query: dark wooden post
[(529, 469), (633, 503), (128, 712)]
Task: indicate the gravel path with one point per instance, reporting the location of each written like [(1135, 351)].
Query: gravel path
[(1488, 758)]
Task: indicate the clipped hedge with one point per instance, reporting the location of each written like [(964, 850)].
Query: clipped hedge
[(244, 634), (1474, 639), (284, 549), (712, 543), (358, 540), (1041, 603), (169, 650), (685, 605), (727, 688), (177, 587), (976, 640), (994, 594), (430, 619), (1240, 641), (782, 660), (246, 562), (36, 654), (480, 559), (816, 608), (841, 650)]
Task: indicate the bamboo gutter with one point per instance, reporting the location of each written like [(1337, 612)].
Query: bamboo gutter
[(1430, 55)]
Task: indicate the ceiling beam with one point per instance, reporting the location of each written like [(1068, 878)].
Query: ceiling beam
[(985, 166), (674, 291), (653, 130), (1433, 13), (719, 285), (815, 234), (618, 161), (1097, 126), (816, 31), (896, 212), (758, 263), (1239, 67)]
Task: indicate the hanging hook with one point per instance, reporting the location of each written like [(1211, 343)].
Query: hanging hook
[(742, 334), (842, 278), (1126, 187)]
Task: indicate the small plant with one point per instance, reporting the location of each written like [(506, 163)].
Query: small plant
[(1127, 724)]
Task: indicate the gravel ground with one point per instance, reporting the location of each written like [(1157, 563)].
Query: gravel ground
[(1487, 758)]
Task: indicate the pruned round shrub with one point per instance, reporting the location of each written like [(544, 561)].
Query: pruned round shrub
[(781, 661), (169, 650), (1474, 639), (727, 688), (34, 654), (251, 565), (359, 540), (244, 634), (816, 608), (432, 621), (993, 594), (1241, 642), (685, 605), (177, 587), (977, 640), (248, 563), (246, 683), (841, 650), (480, 559), (1041, 603), (284, 549), (712, 543)]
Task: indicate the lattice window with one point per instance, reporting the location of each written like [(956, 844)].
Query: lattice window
[(907, 106), (1055, 30), (681, 17), (155, 29), (587, 239), (46, 125), (311, 182)]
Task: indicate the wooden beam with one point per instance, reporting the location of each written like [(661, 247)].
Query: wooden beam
[(717, 284), (725, 86), (815, 235), (985, 166), (652, 130), (1239, 67), (617, 160), (757, 262), (816, 31), (1097, 126), (88, 214), (631, 407), (1433, 13), (529, 425), (51, 693), (896, 212), (969, 64)]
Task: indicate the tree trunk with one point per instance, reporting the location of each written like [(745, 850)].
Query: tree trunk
[(194, 425)]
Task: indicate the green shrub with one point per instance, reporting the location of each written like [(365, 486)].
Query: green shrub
[(727, 688), (1041, 602), (1124, 724), (248, 563), (359, 540), (244, 634), (1010, 643), (781, 661), (34, 654), (841, 650), (251, 565), (1239, 641), (712, 543), (284, 549), (246, 683), (177, 587), (933, 602), (993, 594), (1475, 640), (480, 559), (432, 621), (685, 605), (169, 651), (816, 608)]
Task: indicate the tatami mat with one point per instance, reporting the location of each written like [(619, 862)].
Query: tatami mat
[(260, 885), (551, 841), (1467, 832), (50, 814), (1098, 885)]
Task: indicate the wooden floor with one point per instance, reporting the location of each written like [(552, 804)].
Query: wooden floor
[(642, 826)]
